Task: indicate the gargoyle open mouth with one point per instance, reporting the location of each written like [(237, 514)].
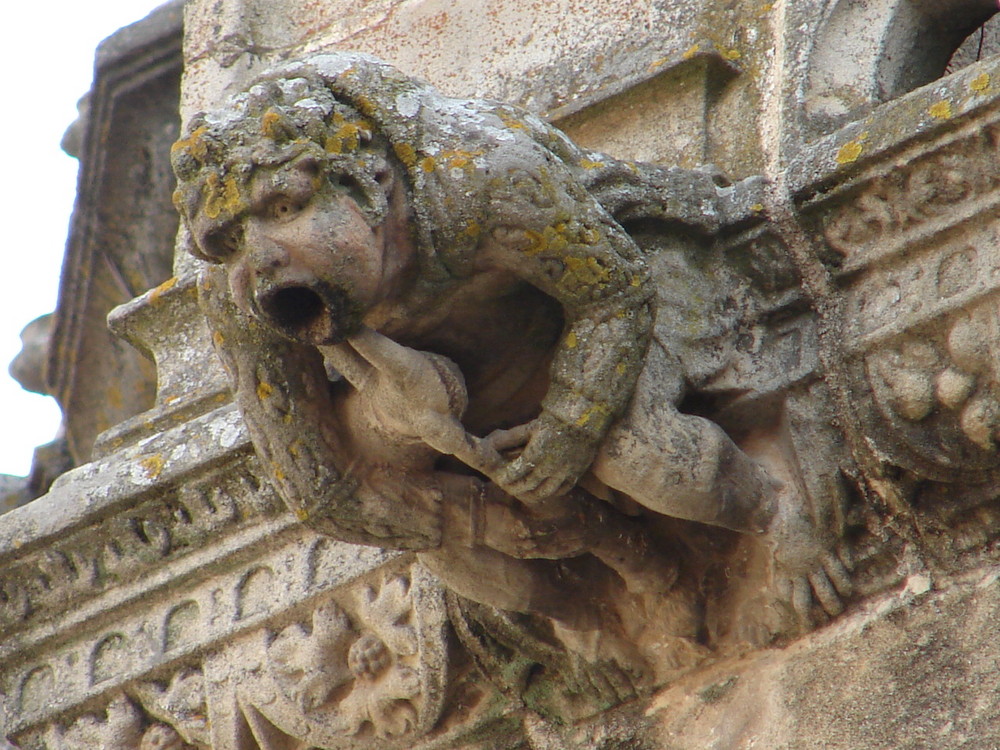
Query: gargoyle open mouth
[(318, 314)]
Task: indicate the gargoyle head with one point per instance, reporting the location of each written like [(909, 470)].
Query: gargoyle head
[(296, 193)]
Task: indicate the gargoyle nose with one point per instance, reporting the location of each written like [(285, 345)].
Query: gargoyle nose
[(311, 313), (266, 256)]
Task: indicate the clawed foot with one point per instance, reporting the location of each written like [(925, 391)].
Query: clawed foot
[(809, 577), (804, 582), (817, 594)]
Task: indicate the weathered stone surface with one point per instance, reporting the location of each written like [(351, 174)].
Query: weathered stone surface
[(915, 668), (164, 596)]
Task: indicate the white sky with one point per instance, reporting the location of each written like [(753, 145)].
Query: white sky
[(46, 65)]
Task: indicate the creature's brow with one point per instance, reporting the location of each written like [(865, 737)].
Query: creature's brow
[(275, 185)]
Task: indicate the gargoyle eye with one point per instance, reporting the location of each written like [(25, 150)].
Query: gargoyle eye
[(221, 244), (283, 208)]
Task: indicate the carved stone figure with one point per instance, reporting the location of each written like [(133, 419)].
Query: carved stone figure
[(443, 340)]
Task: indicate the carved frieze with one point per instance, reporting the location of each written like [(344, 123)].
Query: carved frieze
[(915, 233), (161, 526), (41, 678), (910, 202)]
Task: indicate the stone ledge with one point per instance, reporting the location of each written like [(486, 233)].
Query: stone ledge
[(912, 668)]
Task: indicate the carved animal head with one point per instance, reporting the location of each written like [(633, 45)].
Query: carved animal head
[(296, 194)]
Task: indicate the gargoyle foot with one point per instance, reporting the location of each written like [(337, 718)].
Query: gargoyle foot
[(796, 579), (808, 576)]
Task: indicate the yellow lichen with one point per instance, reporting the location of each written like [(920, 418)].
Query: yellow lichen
[(460, 158), (405, 153), (980, 84), (656, 64), (598, 410), (941, 110), (571, 341), (620, 368), (512, 122), (269, 124), (193, 144), (588, 164), (757, 208), (472, 229), (538, 242), (691, 51), (584, 272), (278, 473), (154, 296), (728, 53), (427, 164), (849, 152), (349, 136), (302, 514), (153, 465), (365, 106), (222, 198), (264, 390), (333, 145), (218, 339)]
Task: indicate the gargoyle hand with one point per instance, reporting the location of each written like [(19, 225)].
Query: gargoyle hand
[(554, 458)]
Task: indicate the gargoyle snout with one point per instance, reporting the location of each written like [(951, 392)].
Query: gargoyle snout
[(317, 314)]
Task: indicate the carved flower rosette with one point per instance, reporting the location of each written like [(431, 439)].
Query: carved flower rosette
[(366, 669)]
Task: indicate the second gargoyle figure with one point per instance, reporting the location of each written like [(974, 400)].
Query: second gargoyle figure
[(442, 340)]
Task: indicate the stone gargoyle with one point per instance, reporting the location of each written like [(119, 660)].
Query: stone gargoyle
[(442, 339)]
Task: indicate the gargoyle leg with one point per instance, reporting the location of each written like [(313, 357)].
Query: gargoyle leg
[(681, 465), (500, 575)]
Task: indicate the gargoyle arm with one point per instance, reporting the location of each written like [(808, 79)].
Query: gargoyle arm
[(549, 232)]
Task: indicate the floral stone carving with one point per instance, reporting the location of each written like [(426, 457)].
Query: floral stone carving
[(121, 727), (441, 339), (182, 705), (367, 666)]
